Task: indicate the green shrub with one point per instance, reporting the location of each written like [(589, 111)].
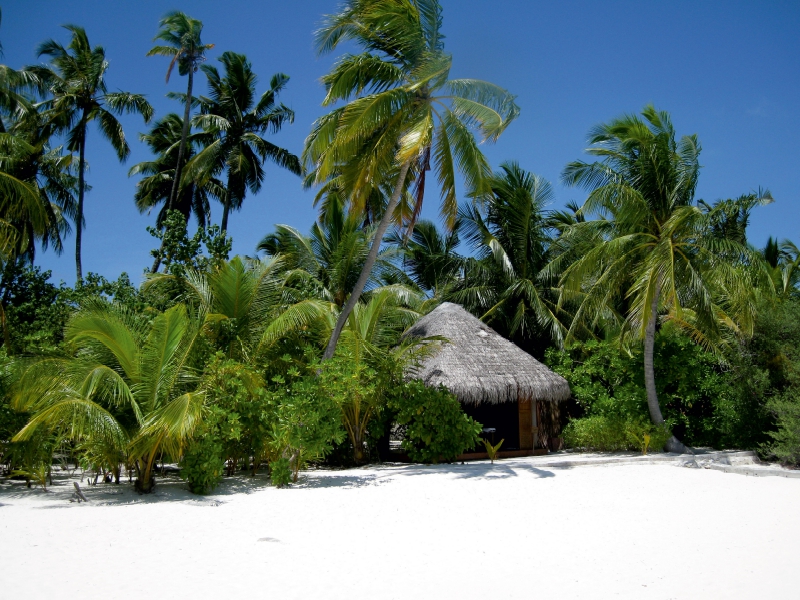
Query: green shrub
[(202, 466), (308, 417), (437, 429), (613, 434), (236, 426), (705, 402), (240, 413), (280, 472), (786, 440)]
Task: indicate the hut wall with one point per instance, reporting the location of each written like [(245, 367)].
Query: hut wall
[(503, 416)]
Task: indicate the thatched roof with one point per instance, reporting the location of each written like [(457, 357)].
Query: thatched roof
[(479, 365)]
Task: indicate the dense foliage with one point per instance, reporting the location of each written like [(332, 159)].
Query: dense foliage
[(669, 325), (436, 429)]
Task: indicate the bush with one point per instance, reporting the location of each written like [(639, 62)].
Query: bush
[(202, 466), (786, 440), (236, 426), (308, 419), (705, 402), (280, 472), (437, 429), (613, 434)]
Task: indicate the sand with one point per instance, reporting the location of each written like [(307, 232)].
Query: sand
[(512, 530)]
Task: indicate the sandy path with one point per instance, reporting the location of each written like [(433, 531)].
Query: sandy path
[(456, 531)]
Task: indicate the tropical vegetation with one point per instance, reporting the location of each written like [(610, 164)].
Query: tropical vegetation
[(671, 327)]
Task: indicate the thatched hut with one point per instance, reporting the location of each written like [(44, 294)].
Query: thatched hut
[(498, 384)]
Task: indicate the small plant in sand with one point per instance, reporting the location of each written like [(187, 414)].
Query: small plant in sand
[(492, 450), (281, 472), (643, 441), (35, 474)]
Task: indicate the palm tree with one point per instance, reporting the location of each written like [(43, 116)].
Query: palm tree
[(508, 231), (127, 385), (402, 115), (430, 257), (371, 340), (26, 154), (784, 261), (652, 250), (730, 218), (247, 306), (184, 46), (234, 123), (326, 263), (20, 203), (76, 80), (156, 186)]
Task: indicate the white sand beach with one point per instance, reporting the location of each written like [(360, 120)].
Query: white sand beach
[(511, 530)]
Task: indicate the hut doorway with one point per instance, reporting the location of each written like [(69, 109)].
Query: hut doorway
[(503, 417)]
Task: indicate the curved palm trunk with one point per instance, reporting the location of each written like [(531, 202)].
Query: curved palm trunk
[(79, 216), (673, 444), (179, 166), (371, 258)]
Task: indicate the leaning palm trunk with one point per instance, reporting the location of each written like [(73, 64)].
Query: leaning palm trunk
[(370, 262), (673, 444)]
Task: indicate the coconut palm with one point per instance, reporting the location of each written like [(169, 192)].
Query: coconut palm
[(76, 80), (127, 385), (234, 121), (371, 340), (25, 153), (327, 262), (19, 202), (508, 230), (784, 261), (156, 186), (430, 257), (16, 91), (402, 116), (652, 252), (182, 36), (247, 305)]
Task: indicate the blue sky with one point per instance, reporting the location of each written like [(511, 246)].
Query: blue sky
[(727, 71)]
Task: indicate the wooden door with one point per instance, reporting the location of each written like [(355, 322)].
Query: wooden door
[(525, 424)]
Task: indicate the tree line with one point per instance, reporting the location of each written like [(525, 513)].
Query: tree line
[(666, 321)]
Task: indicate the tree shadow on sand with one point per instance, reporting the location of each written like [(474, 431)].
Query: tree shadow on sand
[(380, 474), (329, 480), (482, 470), (168, 489)]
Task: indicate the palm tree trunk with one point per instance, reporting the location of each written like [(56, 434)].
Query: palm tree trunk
[(179, 166), (6, 335), (225, 211), (144, 482), (226, 207), (673, 444), (184, 135), (157, 261), (79, 215), (371, 258)]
